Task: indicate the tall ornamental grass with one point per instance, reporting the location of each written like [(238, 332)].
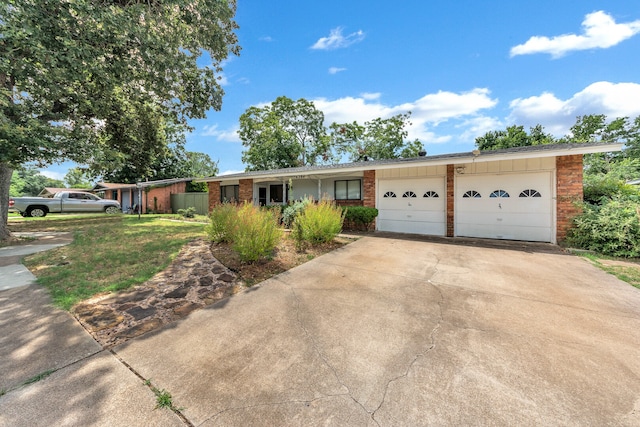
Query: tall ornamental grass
[(317, 223)]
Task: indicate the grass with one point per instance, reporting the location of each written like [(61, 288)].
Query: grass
[(163, 397), (108, 253), (628, 271)]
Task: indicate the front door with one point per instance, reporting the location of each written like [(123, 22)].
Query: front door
[(262, 196)]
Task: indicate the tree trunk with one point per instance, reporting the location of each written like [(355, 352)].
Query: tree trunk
[(5, 183)]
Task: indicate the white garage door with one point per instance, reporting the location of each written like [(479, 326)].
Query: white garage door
[(510, 206), (415, 205)]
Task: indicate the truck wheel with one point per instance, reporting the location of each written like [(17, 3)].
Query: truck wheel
[(112, 210), (36, 212)]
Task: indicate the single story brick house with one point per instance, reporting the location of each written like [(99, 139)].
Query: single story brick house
[(524, 193), (156, 195)]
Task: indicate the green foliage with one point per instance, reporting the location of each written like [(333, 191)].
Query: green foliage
[(284, 134), (290, 212), (222, 223), (611, 228), (28, 181), (599, 189), (514, 136), (77, 178), (190, 212), (317, 223), (359, 217), (377, 139), (256, 234)]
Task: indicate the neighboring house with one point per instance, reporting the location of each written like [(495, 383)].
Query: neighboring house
[(156, 195), (524, 193), (51, 191)]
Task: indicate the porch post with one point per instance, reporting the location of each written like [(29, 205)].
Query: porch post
[(319, 189)]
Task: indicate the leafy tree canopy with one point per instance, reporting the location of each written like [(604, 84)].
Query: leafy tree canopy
[(283, 134), (376, 139), (28, 181), (67, 65)]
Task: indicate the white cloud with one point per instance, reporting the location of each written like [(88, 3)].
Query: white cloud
[(226, 135), (267, 39), (52, 174), (558, 115), (600, 31), (427, 112), (337, 40), (336, 70)]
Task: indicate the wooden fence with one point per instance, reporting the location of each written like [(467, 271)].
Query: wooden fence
[(200, 201)]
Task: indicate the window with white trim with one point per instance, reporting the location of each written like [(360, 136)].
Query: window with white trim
[(500, 194), (350, 189), (229, 193), (430, 194), (410, 194), (389, 194), (471, 194), (530, 193)]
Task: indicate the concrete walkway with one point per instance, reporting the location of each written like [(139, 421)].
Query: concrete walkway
[(385, 331)]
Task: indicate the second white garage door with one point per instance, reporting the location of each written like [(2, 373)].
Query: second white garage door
[(412, 205), (512, 207)]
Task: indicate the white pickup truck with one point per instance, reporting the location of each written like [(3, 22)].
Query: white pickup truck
[(63, 202)]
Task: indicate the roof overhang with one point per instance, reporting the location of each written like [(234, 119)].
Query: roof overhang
[(318, 172)]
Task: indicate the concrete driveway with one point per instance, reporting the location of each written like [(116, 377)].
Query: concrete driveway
[(393, 331)]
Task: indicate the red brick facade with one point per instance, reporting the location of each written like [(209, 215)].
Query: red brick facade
[(214, 194), (369, 189), (158, 199), (569, 192), (450, 202), (245, 193)]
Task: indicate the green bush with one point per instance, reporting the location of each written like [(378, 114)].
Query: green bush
[(256, 233), (611, 228), (222, 223), (600, 188), (359, 217), (290, 212), (190, 212), (318, 223)]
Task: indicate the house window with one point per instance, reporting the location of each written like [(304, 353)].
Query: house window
[(114, 194), (348, 189), (530, 193), (410, 194), (471, 194), (389, 194), (229, 193), (431, 194), (275, 193), (499, 193)]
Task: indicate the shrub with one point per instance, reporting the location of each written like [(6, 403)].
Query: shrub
[(318, 223), (256, 233), (359, 217), (290, 212), (190, 212), (600, 188), (612, 228), (222, 223)]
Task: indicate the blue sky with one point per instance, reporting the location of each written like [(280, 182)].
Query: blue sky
[(461, 67)]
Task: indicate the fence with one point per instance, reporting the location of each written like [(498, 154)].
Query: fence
[(200, 201)]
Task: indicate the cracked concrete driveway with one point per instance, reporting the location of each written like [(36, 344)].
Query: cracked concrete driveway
[(393, 331)]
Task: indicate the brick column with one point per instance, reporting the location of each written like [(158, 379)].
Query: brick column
[(569, 192), (214, 194), (450, 201), (246, 190), (369, 189)]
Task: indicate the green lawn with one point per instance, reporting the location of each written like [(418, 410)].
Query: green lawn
[(627, 271), (108, 253)]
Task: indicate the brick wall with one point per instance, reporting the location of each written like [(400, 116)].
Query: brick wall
[(568, 191), (450, 201), (214, 194), (245, 192), (369, 189), (158, 199)]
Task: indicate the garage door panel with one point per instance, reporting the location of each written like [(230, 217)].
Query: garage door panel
[(512, 217), (419, 214)]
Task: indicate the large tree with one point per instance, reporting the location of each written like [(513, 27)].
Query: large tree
[(66, 64), (283, 134), (376, 139), (28, 181), (514, 136)]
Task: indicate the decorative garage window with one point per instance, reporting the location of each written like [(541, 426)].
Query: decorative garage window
[(409, 194), (530, 193), (347, 189), (471, 194), (229, 193), (430, 194), (389, 194), (499, 193)]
